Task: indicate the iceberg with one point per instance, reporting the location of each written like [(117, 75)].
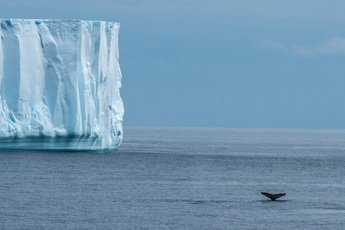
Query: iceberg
[(60, 85)]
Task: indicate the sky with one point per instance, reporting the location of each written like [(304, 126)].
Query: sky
[(221, 63)]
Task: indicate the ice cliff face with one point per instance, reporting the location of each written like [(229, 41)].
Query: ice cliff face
[(59, 84)]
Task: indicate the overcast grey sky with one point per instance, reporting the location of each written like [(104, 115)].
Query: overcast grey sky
[(244, 63)]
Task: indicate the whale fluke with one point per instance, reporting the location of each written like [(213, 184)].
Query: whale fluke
[(273, 196)]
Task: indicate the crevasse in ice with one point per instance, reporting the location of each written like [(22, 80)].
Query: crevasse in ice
[(60, 85)]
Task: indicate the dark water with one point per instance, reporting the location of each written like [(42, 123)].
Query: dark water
[(181, 179)]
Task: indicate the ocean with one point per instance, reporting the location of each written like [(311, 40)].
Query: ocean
[(181, 178)]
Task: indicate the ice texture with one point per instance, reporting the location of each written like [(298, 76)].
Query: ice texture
[(60, 85)]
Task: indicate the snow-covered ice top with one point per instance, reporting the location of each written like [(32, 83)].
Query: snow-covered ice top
[(60, 84)]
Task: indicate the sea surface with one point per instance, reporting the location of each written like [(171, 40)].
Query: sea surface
[(181, 178)]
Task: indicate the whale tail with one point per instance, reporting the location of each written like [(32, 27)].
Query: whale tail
[(273, 196)]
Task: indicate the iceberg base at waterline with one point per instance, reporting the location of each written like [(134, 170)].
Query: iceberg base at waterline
[(60, 85)]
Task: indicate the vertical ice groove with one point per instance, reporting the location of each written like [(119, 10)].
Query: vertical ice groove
[(10, 80), (116, 108), (31, 78), (88, 104), (79, 82), (66, 36), (1, 59), (103, 112), (3, 117), (103, 52), (60, 79), (55, 83)]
